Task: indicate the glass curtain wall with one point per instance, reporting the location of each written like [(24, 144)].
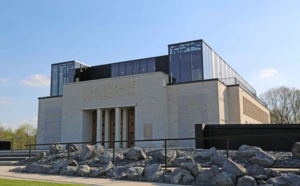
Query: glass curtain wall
[(62, 73), (133, 67), (186, 62), (216, 67)]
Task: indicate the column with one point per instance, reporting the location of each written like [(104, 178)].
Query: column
[(125, 126), (117, 126), (107, 128), (99, 125)]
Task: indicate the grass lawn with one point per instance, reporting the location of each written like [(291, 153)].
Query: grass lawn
[(8, 182)]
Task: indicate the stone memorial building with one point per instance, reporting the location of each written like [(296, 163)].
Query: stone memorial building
[(149, 98)]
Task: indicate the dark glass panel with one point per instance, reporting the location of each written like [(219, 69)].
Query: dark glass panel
[(185, 63), (151, 64), (62, 77), (197, 63), (54, 80), (114, 70), (128, 68), (143, 66), (174, 65), (121, 69), (70, 72), (136, 67)]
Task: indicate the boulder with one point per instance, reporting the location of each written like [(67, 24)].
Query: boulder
[(224, 179), (83, 170), (286, 179), (136, 153), (107, 157), (214, 169), (54, 148), (262, 158), (135, 173), (171, 155), (261, 177), (254, 170), (39, 156), (271, 173), (73, 148), (184, 159), (246, 181), (37, 168), (118, 172), (61, 164), (181, 176), (233, 168), (205, 177), (246, 151), (86, 152), (194, 168), (207, 154), (98, 150), (152, 172), (296, 150), (102, 172), (68, 171), (218, 160), (54, 172)]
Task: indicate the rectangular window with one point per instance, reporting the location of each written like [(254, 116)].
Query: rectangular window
[(114, 70), (151, 65), (185, 63), (174, 64), (121, 69), (136, 67), (54, 80), (143, 66), (129, 68)]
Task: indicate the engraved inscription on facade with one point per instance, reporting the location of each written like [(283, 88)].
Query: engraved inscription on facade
[(109, 91)]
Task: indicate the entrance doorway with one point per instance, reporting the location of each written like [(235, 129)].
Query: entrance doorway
[(130, 127)]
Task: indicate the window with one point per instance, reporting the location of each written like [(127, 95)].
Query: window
[(151, 65), (143, 66), (114, 70), (128, 68)]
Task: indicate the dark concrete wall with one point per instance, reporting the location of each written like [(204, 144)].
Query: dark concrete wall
[(270, 137)]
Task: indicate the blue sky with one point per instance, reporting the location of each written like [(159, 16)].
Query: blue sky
[(258, 38)]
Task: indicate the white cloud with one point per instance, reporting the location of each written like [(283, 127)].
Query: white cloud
[(32, 121), (4, 80), (37, 80), (5, 100), (267, 73)]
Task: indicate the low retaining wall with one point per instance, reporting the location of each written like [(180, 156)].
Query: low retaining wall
[(270, 137)]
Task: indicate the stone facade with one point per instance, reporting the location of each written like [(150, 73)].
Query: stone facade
[(160, 110)]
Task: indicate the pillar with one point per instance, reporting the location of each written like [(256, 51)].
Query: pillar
[(125, 127), (117, 126), (107, 128), (99, 125)]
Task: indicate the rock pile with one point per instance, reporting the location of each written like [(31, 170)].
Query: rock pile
[(250, 166)]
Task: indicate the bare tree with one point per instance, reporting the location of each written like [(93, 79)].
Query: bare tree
[(284, 104)]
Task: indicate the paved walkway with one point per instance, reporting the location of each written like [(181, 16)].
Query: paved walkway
[(4, 173)]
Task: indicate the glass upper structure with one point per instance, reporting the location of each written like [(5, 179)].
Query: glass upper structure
[(195, 60), (62, 73), (186, 62), (133, 67)]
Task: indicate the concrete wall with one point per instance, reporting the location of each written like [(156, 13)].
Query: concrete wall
[(49, 120), (237, 113), (223, 104), (191, 103)]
